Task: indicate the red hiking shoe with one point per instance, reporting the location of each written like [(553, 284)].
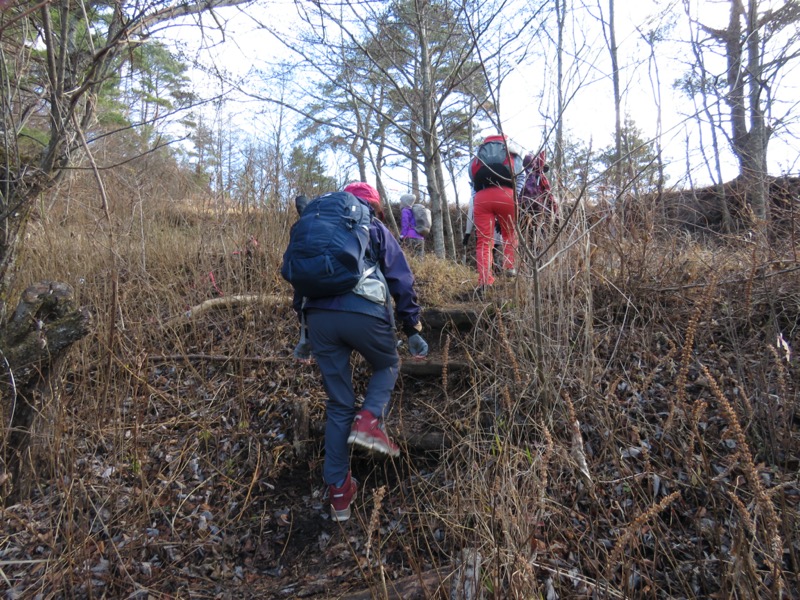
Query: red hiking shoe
[(367, 432), (342, 498)]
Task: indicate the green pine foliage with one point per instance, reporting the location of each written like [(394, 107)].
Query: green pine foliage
[(637, 163)]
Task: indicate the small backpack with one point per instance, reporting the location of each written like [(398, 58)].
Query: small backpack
[(326, 255), (533, 196), (494, 164), (422, 219)]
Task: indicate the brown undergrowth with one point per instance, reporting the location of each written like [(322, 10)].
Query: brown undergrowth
[(628, 426)]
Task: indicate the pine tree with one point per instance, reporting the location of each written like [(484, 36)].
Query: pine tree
[(636, 164)]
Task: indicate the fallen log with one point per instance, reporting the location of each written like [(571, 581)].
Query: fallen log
[(433, 318), (413, 368), (439, 318), (224, 302), (431, 367), (414, 587)]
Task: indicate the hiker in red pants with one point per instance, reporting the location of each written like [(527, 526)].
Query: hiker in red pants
[(497, 177)]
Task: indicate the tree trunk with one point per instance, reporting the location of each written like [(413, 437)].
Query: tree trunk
[(756, 169), (558, 154), (378, 166), (429, 141), (16, 203), (612, 48), (437, 212), (727, 219), (35, 340), (447, 225), (389, 219), (752, 166), (744, 99), (413, 151)]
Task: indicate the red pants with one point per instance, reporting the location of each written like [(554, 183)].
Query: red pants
[(494, 203)]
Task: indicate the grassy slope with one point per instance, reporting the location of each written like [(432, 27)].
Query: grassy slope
[(634, 433)]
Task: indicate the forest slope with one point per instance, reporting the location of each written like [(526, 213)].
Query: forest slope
[(625, 423)]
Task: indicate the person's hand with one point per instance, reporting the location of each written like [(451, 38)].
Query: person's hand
[(465, 241), (303, 350), (417, 346)]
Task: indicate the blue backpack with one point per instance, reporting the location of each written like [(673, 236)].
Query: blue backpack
[(327, 246)]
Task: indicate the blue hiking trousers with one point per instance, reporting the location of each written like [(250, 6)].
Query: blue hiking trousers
[(333, 336)]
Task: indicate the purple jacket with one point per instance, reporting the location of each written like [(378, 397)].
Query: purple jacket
[(408, 224), (398, 277)]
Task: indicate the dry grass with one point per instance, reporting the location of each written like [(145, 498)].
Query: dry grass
[(628, 427), (441, 282)]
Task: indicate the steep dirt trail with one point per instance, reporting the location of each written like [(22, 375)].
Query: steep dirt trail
[(307, 555)]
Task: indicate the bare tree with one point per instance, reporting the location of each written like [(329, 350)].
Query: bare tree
[(423, 54), (561, 19), (700, 87), (55, 59), (760, 46), (574, 67), (652, 37), (610, 33)]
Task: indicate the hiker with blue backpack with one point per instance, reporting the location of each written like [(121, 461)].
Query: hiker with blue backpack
[(413, 229), (346, 268), (497, 177)]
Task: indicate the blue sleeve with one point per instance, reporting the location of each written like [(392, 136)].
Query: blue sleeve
[(398, 276)]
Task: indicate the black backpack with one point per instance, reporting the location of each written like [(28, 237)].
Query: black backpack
[(494, 165)]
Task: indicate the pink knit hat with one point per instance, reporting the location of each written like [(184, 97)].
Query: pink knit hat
[(366, 192)]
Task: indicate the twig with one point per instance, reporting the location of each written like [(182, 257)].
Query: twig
[(253, 481), (220, 358), (740, 280)]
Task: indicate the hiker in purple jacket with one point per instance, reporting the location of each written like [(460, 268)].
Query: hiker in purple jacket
[(337, 326), (409, 237)]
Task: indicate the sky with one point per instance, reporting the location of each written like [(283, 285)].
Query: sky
[(527, 93), (590, 116)]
